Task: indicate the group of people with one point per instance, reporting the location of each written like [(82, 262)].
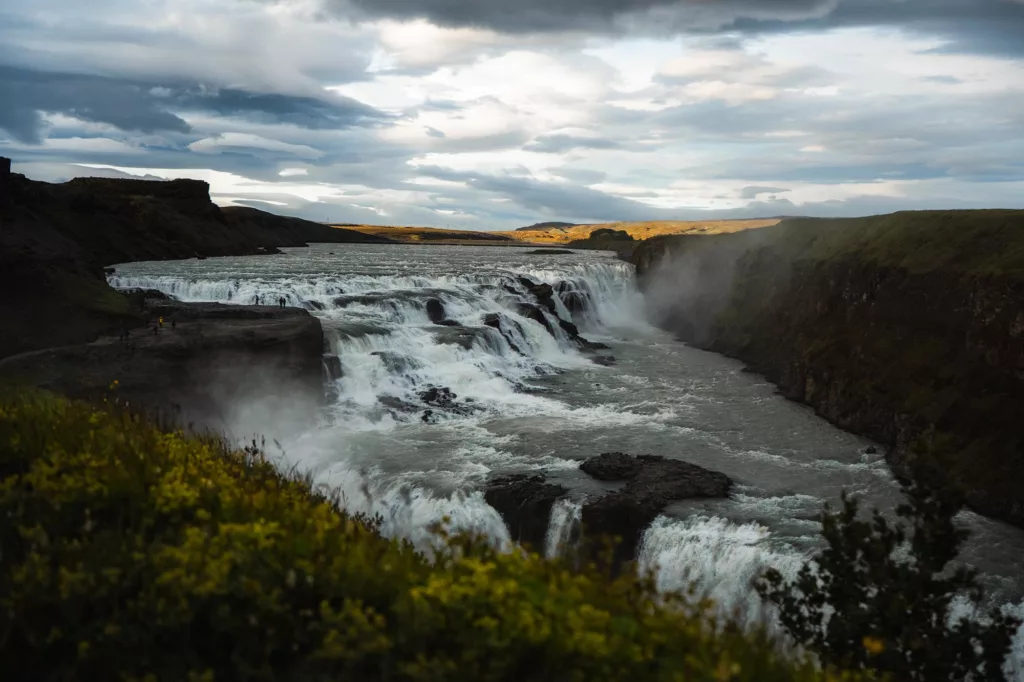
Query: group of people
[(125, 337), (281, 301)]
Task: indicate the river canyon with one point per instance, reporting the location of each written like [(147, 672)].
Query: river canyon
[(446, 376)]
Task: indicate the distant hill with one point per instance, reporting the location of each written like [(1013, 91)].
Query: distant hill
[(433, 235), (637, 230), (546, 226)]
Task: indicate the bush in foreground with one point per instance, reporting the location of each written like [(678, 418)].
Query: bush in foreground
[(127, 553), (860, 604)]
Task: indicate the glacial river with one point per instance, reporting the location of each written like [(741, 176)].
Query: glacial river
[(533, 402)]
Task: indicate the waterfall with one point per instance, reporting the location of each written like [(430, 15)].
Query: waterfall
[(452, 371), (413, 387), (564, 524)]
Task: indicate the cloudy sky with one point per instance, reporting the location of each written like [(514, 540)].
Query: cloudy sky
[(493, 114)]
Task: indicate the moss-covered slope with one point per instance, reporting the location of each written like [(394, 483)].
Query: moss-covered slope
[(132, 554), (906, 327)]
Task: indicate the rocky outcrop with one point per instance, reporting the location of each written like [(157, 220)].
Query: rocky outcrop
[(621, 516), (544, 294), (56, 241), (652, 483), (907, 328), (241, 368), (524, 503), (575, 300), (332, 365), (435, 311), (612, 466)]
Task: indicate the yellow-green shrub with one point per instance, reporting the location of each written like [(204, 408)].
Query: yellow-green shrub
[(127, 553)]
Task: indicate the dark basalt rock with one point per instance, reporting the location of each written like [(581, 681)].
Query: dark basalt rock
[(196, 372), (576, 302), (871, 450), (569, 328), (533, 312), (544, 293), (502, 324), (436, 311), (603, 360), (612, 466), (524, 503), (652, 483), (439, 396), (397, 363), (346, 300), (333, 365), (447, 323), (396, 404), (442, 398), (460, 336), (594, 345)]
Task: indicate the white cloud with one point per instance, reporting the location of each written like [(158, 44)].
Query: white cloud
[(233, 141), (676, 124)]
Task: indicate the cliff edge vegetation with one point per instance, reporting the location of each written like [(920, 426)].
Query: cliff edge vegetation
[(136, 554), (908, 328)]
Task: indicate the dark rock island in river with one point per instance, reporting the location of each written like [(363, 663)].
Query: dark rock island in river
[(651, 483)]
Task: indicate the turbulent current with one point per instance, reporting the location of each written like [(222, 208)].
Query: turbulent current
[(527, 399)]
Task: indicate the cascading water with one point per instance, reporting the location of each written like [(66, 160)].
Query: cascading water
[(451, 372), (564, 525)]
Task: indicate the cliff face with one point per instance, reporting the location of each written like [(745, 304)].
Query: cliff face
[(243, 369), (907, 328), (56, 239)]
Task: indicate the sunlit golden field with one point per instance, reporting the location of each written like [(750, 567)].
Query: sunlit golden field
[(637, 230)]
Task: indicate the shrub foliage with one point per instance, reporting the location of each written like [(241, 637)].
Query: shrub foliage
[(128, 553), (862, 605)]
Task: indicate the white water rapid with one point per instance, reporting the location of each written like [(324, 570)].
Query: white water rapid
[(525, 398)]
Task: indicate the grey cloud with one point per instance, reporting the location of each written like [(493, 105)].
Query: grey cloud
[(584, 176), (150, 107), (24, 93), (979, 26), (306, 112), (544, 16), (562, 200), (753, 191), (556, 144)]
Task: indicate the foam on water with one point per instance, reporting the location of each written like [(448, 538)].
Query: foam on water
[(718, 559)]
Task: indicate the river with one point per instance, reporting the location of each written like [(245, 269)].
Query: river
[(532, 402)]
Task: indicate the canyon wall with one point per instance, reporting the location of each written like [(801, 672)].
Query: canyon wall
[(55, 240), (907, 328)]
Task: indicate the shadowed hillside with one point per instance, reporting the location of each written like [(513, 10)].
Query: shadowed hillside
[(56, 239)]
